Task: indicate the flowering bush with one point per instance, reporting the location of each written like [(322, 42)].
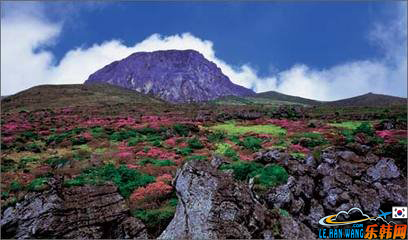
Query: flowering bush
[(157, 153), (152, 192), (167, 178)]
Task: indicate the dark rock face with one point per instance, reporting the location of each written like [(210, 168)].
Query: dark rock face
[(172, 75), (342, 178), (214, 206), (77, 212)]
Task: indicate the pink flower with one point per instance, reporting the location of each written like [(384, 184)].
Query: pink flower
[(132, 166), (299, 148), (152, 191), (87, 136), (171, 141), (8, 140), (164, 178), (124, 154)]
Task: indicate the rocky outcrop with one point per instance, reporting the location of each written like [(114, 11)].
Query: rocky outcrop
[(76, 212), (214, 206), (342, 178), (172, 75)]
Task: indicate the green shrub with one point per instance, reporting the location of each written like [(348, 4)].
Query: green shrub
[(15, 186), (251, 143), (37, 184), (173, 202), (234, 139), (57, 138), (195, 143), (156, 220), (78, 141), (271, 176), (226, 150), (29, 135), (365, 128), (135, 140), (243, 170), (181, 130), (185, 151), (268, 176), (283, 212), (216, 136), (34, 147), (124, 178), (25, 160), (157, 143), (309, 140), (348, 135), (147, 131), (97, 132), (4, 195), (123, 135), (162, 163)]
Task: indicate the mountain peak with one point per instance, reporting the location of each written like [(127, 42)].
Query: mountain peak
[(173, 75)]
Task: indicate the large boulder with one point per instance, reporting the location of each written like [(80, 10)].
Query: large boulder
[(214, 206), (76, 212)]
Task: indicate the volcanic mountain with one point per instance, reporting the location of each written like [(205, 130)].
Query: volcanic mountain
[(173, 75)]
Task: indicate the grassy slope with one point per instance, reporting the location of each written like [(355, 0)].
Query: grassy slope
[(369, 99), (56, 96)]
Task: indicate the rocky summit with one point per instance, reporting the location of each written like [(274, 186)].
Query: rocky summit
[(172, 75)]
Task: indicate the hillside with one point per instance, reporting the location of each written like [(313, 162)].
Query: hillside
[(58, 96), (369, 100), (270, 98), (178, 76)]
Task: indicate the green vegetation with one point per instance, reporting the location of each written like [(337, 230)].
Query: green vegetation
[(309, 139), (15, 186), (268, 176), (251, 143), (156, 220), (124, 178), (243, 170), (271, 175), (123, 135), (216, 136), (25, 160), (157, 162), (352, 125), (181, 130), (185, 151), (37, 184), (231, 128), (365, 128), (195, 143), (298, 155), (97, 132), (225, 149)]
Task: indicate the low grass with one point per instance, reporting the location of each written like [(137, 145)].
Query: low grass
[(232, 128), (348, 125)]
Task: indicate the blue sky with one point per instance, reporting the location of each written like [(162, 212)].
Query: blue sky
[(311, 49)]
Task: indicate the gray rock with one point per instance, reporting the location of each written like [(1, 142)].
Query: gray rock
[(281, 195), (212, 206), (316, 213), (270, 156), (292, 229), (384, 169), (77, 212)]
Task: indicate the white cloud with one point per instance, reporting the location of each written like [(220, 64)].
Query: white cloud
[(23, 65)]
